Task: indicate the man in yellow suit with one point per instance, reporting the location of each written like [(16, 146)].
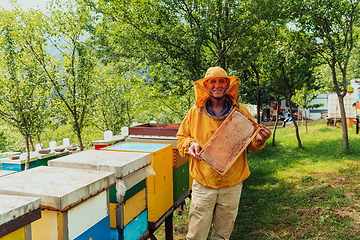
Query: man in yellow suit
[(214, 198)]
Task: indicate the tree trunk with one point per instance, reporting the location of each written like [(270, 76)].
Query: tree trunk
[(306, 122), (343, 121), (258, 119), (341, 104), (258, 93), (31, 144), (295, 123), (38, 137), (277, 120), (78, 133), (27, 162)]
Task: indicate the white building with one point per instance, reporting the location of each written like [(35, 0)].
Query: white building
[(320, 112), (330, 107), (313, 114)]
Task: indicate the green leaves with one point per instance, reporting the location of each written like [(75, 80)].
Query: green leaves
[(304, 97), (331, 25), (24, 91), (183, 37)]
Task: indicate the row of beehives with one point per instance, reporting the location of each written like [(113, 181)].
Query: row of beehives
[(113, 194), (15, 161)]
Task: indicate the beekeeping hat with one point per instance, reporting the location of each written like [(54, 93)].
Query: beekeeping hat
[(201, 93), (217, 72)]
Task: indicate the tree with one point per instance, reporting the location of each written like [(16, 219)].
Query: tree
[(71, 72), (304, 97), (121, 95), (250, 59), (331, 25), (3, 141), (277, 118), (24, 91), (109, 109), (290, 67), (184, 37)]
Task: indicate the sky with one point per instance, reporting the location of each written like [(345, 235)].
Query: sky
[(25, 4)]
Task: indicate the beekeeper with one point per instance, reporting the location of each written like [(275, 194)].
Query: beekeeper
[(214, 198)]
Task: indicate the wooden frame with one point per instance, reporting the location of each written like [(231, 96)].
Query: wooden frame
[(229, 141)]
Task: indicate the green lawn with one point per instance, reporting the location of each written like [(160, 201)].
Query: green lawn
[(292, 193)]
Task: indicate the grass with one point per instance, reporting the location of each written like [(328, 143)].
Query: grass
[(292, 193)]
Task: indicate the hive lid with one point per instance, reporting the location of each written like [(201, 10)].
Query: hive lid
[(104, 142), (21, 160), (6, 172), (229, 141), (13, 207), (114, 139), (151, 139), (121, 163), (137, 147), (58, 188)]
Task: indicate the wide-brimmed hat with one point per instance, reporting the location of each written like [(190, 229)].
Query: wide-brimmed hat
[(202, 94), (216, 72)]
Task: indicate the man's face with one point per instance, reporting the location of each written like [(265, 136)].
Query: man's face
[(217, 86)]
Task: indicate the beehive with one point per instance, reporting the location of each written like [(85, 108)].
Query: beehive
[(16, 215), (74, 202), (44, 158), (128, 198), (160, 186), (18, 164), (181, 176), (98, 144)]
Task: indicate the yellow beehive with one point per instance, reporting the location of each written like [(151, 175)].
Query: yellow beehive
[(160, 186), (177, 159), (128, 210), (160, 202)]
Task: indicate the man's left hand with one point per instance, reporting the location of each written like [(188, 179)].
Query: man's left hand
[(264, 134)]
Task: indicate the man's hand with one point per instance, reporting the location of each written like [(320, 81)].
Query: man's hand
[(194, 150), (264, 134)]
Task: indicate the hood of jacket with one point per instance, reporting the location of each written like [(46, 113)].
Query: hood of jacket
[(202, 94)]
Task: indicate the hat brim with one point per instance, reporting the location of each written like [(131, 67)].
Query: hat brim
[(231, 79)]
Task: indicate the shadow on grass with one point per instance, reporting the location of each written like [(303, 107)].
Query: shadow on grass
[(314, 205)]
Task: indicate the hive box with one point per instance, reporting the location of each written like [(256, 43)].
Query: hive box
[(155, 129), (177, 159), (181, 183), (128, 198), (74, 202), (16, 215), (181, 177), (165, 133), (18, 164), (229, 141), (160, 186), (43, 158)]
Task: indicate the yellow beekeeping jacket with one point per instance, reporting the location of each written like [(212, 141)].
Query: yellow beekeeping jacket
[(198, 126)]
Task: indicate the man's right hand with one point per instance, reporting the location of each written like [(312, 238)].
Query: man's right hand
[(194, 150)]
